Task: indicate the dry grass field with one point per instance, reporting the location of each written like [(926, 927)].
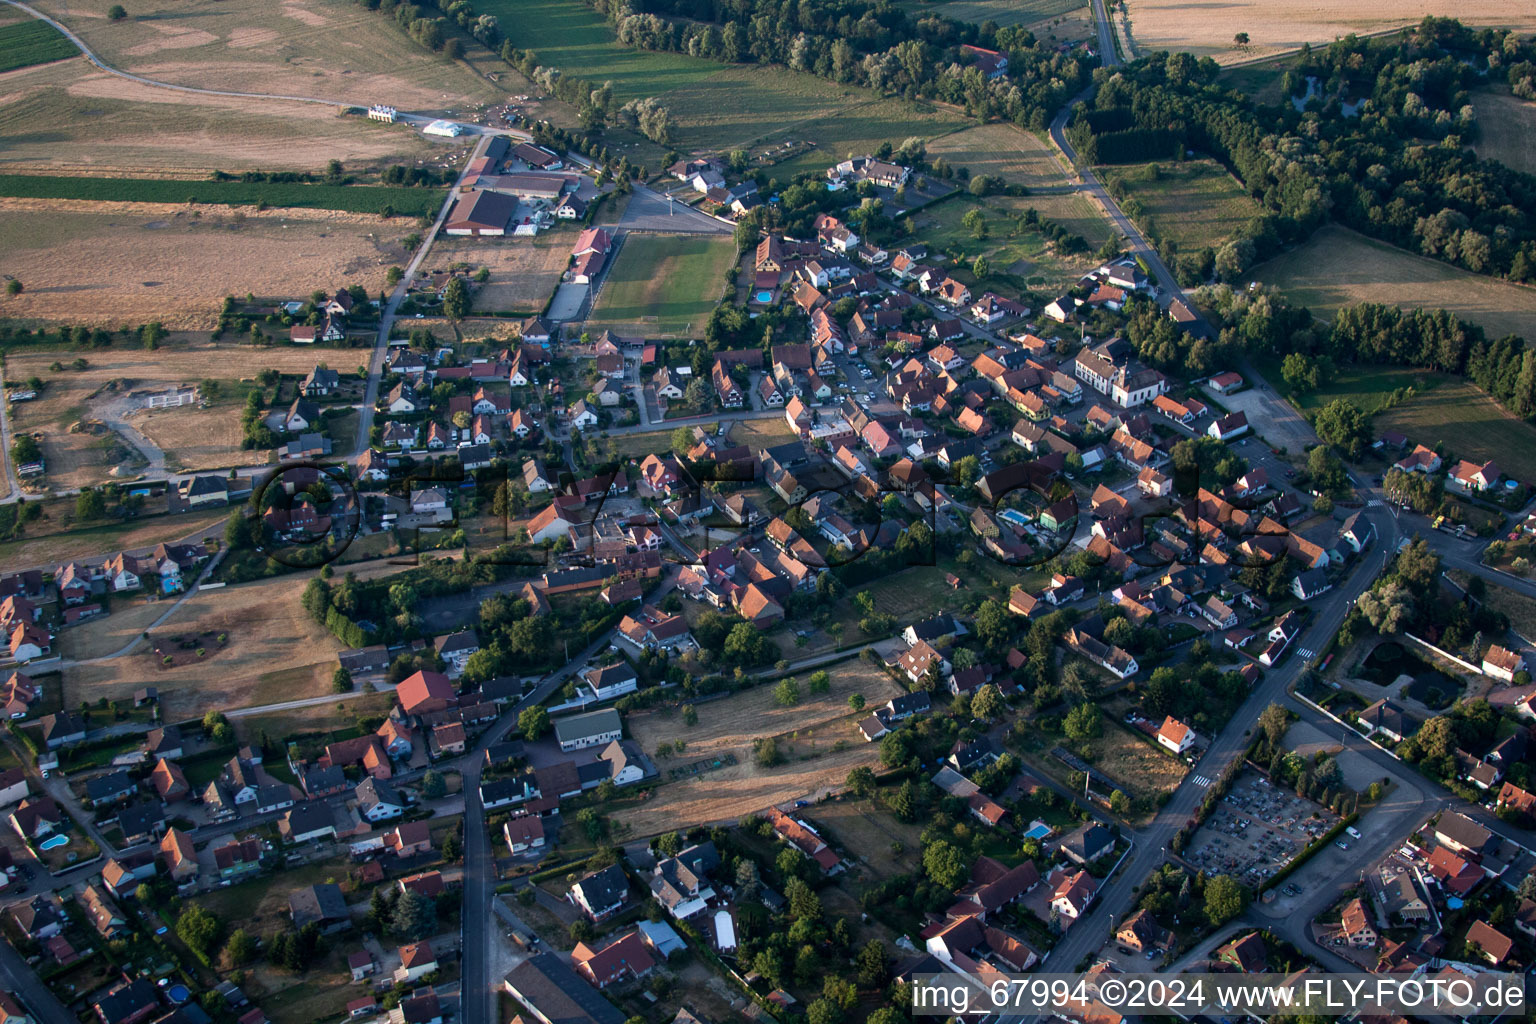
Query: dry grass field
[(1507, 129), (275, 652), (48, 550), (854, 826), (80, 457), (806, 733), (328, 49), (524, 271), (1338, 267), (1472, 425), (111, 264), (1001, 150), (72, 118), (1277, 25)]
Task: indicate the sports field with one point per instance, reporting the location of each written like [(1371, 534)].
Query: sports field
[(1471, 424), (570, 35), (1274, 26), (1194, 203), (24, 43), (1506, 129), (1338, 267), (1001, 12), (663, 285)]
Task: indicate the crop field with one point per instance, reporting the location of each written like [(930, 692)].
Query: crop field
[(131, 263), (1472, 425), (265, 626), (1338, 267), (524, 271), (328, 49), (1194, 203), (25, 43), (380, 199), (81, 456), (72, 118), (576, 39), (663, 284), (1274, 26), (1001, 150), (807, 735), (1506, 129), (1003, 12)]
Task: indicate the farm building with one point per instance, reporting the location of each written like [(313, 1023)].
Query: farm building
[(481, 213), (446, 129)]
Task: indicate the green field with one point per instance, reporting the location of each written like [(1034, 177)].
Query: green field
[(1003, 12), (1260, 80), (1367, 387), (663, 284), (1194, 203), (1337, 267), (1471, 424), (32, 42), (571, 36), (409, 202), (1018, 257)]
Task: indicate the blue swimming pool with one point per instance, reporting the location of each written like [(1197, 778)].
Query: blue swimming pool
[(178, 993), (1014, 516), (765, 296), (54, 842), (1039, 831)]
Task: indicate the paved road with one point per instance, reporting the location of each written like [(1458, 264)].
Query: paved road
[(1109, 56)]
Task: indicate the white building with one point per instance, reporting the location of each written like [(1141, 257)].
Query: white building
[(446, 129)]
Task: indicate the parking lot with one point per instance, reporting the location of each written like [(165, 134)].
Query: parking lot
[(1256, 830)]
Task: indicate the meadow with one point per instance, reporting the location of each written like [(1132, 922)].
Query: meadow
[(1004, 151), (381, 199), (1001, 12), (1018, 257), (1194, 203), (1471, 425), (1506, 125), (1275, 26), (1338, 267), (25, 43), (663, 284)]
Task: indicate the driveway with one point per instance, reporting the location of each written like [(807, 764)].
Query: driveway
[(1271, 417), (569, 301)]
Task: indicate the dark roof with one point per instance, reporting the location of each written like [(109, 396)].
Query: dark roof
[(1088, 841), (137, 819), (106, 786), (548, 985), (606, 887), (1463, 830), (322, 903), (132, 998)]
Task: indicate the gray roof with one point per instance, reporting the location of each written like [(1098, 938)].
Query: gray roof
[(546, 984), (137, 819), (106, 786), (596, 723), (371, 792), (604, 888)]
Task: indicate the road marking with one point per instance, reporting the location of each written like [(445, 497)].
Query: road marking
[(1202, 781), (1305, 652), (1375, 503)]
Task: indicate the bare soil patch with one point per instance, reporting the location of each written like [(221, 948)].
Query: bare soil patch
[(524, 271), (275, 652), (808, 735), (149, 261), (1277, 25)]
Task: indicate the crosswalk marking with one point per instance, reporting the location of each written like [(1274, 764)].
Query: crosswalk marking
[(1305, 652), (1202, 781), (1375, 503)]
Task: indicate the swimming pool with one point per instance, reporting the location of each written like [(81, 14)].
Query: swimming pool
[(765, 297), (1040, 831), (1014, 516), (53, 842), (178, 993)]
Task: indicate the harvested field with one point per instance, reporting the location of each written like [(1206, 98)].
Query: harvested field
[(524, 271), (1001, 150), (807, 735), (1472, 426), (328, 49), (100, 124), (47, 551), (761, 432), (315, 717), (266, 627), (1338, 267), (1002, 12), (381, 200), (1277, 25), (1506, 129), (662, 285), (1194, 203), (87, 455), (110, 264)]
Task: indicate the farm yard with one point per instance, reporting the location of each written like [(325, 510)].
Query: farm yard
[(264, 625), (135, 263), (524, 271), (816, 738), (1278, 25), (328, 49), (1194, 203), (1472, 426), (85, 455), (1338, 267), (1506, 129), (24, 43), (100, 124), (663, 284)]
